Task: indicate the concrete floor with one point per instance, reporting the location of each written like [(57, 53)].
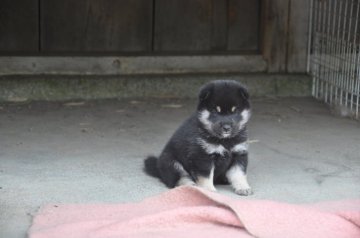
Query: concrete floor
[(93, 153)]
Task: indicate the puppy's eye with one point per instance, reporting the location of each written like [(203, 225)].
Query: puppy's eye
[(233, 109), (218, 109)]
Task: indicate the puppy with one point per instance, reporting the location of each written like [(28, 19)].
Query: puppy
[(210, 146)]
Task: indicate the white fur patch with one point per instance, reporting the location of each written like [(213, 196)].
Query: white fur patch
[(237, 178), (211, 148), (225, 135), (207, 182), (204, 119), (185, 181), (180, 168), (240, 148), (185, 178), (245, 118)]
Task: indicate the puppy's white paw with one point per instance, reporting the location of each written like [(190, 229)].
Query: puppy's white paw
[(209, 187), (244, 191), (186, 181), (212, 189), (207, 182)]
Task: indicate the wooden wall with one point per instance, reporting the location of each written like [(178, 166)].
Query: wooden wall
[(206, 25), (19, 26), (298, 35), (68, 27), (275, 29), (96, 25), (284, 33)]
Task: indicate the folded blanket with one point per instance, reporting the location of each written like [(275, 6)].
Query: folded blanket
[(192, 212)]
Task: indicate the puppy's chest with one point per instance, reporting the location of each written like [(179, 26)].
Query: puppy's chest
[(222, 151)]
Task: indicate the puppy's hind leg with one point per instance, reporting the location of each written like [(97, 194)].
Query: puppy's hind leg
[(206, 179), (173, 174), (185, 178)]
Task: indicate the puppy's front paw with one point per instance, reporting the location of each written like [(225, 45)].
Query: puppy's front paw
[(185, 181), (206, 183), (244, 191), (212, 189), (208, 187)]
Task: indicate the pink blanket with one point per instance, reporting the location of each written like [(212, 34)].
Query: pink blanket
[(192, 212)]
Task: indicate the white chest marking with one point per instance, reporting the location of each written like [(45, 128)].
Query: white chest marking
[(219, 149), (211, 148)]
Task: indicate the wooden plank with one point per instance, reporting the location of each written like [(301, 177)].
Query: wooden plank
[(131, 65), (182, 25), (219, 25), (275, 33), (19, 32), (243, 25), (298, 36), (96, 25)]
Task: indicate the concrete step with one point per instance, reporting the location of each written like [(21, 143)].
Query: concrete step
[(65, 87)]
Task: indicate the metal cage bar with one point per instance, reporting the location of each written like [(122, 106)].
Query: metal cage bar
[(334, 53)]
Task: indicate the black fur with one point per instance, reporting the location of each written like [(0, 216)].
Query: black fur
[(184, 147), (151, 166)]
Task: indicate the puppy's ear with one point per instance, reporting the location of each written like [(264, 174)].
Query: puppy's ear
[(205, 92), (244, 93)]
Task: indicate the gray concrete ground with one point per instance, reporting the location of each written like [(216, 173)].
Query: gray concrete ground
[(93, 153)]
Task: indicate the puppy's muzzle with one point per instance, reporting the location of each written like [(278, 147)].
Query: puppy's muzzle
[(226, 128)]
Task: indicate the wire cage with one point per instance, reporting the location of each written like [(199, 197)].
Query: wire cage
[(334, 54)]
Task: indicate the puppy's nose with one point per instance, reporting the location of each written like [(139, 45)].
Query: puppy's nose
[(226, 127)]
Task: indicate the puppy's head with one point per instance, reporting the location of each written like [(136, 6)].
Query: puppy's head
[(224, 108)]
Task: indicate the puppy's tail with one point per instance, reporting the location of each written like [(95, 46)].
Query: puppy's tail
[(151, 166)]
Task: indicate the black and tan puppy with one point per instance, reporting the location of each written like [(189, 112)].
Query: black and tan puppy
[(210, 146)]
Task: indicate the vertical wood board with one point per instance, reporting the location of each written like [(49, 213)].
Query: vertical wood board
[(298, 36), (219, 26), (275, 34), (243, 19), (96, 25), (182, 25), (19, 31)]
